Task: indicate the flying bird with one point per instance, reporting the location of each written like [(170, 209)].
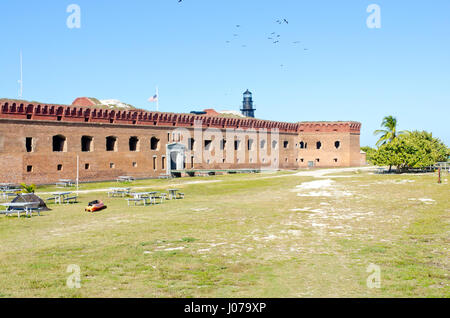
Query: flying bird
[(285, 21)]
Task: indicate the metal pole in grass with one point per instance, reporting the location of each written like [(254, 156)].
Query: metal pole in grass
[(439, 175), (78, 171)]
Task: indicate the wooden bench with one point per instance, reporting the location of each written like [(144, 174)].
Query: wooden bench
[(28, 211), (119, 193), (63, 184), (125, 179), (38, 210), (180, 195), (16, 211), (70, 199), (135, 201), (51, 199), (162, 197)]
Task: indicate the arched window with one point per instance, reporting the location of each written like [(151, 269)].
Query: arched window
[(302, 145), (134, 143), (154, 143), (250, 144), (59, 143), (191, 142), (86, 143), (111, 143), (237, 144), (208, 144), (319, 145), (263, 144), (337, 144), (274, 144)]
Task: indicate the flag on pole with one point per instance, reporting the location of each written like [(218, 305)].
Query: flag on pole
[(154, 98)]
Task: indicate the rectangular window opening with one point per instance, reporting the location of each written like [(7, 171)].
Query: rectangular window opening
[(29, 144)]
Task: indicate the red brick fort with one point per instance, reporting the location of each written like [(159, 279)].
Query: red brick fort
[(40, 143)]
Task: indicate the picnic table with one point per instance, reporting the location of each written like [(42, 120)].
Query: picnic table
[(62, 197), (64, 183), (125, 179), (20, 207), (9, 192), (145, 197), (113, 192), (7, 186), (175, 194)]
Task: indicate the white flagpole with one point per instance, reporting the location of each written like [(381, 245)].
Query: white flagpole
[(157, 99), (21, 77)]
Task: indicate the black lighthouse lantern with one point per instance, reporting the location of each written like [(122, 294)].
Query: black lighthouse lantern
[(247, 105)]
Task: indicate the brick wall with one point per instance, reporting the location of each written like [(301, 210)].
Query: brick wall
[(43, 165)]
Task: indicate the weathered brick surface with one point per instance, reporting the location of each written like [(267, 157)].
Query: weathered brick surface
[(42, 122)]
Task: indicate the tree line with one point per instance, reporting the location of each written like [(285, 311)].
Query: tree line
[(405, 149)]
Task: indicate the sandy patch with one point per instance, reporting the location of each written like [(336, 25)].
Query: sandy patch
[(200, 209), (325, 188), (174, 249), (424, 200), (317, 184), (266, 238)]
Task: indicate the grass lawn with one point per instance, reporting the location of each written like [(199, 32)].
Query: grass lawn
[(245, 235)]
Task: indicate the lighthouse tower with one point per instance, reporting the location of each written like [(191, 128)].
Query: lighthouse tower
[(247, 105)]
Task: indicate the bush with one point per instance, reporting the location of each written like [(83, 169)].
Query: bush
[(370, 152), (415, 150), (28, 188)]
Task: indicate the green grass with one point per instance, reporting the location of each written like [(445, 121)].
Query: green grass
[(238, 236)]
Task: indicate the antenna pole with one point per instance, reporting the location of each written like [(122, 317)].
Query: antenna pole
[(21, 77)]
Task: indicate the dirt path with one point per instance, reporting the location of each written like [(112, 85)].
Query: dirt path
[(140, 188), (322, 173), (319, 173)]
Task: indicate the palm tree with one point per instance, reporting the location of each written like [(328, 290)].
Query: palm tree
[(28, 188), (390, 133)]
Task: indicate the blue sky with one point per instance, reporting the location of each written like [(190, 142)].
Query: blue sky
[(349, 72)]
